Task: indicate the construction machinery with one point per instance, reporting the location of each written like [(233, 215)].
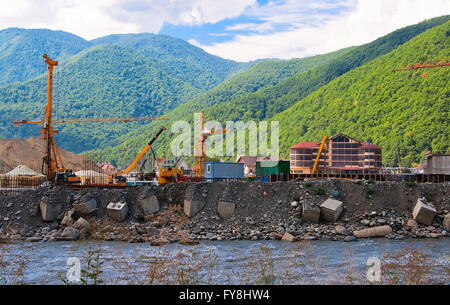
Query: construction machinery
[(52, 161), (169, 172), (199, 147), (118, 178), (316, 163)]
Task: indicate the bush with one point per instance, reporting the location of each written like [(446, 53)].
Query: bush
[(319, 191)]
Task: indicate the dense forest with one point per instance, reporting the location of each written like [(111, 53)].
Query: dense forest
[(274, 98), (354, 90)]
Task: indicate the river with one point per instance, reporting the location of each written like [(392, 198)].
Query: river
[(226, 262)]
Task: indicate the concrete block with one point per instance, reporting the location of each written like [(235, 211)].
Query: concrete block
[(226, 209), (117, 211), (192, 207), (331, 209), (380, 231), (149, 204), (288, 237), (49, 211), (310, 214), (423, 212), (85, 208), (446, 222)]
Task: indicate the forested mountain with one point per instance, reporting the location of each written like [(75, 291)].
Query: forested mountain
[(21, 51), (241, 98), (405, 109), (118, 75), (178, 58), (264, 74)]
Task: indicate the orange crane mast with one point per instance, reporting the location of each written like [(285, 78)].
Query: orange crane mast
[(52, 159)]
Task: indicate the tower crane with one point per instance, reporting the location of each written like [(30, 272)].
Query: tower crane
[(199, 147), (52, 159)]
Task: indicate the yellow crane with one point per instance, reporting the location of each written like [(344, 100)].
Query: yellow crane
[(52, 159), (316, 163), (201, 158)]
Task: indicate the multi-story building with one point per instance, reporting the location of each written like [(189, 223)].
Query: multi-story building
[(341, 154)]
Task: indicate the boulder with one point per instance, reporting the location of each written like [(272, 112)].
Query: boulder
[(117, 211), (81, 223), (86, 208), (341, 230), (159, 242), (424, 212), (49, 211), (149, 204), (380, 231), (331, 209), (192, 207), (412, 224), (288, 237), (446, 222), (70, 233), (67, 221), (225, 209), (310, 214)]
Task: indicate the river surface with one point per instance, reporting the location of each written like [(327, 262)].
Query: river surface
[(221, 262)]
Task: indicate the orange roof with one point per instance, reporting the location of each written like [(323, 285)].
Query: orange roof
[(306, 145)]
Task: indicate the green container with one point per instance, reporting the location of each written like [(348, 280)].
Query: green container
[(267, 168)]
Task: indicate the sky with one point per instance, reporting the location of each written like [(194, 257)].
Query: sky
[(241, 30)]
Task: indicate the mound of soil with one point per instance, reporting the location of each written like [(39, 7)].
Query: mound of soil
[(14, 152)]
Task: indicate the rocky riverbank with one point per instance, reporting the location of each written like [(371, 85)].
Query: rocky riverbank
[(233, 210)]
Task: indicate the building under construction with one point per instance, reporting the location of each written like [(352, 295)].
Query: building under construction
[(339, 154)]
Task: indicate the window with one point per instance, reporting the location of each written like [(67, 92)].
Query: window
[(208, 168)]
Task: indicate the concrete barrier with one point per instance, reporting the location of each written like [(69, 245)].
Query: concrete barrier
[(310, 214), (117, 211), (225, 209), (424, 212), (331, 209), (49, 211), (192, 207), (380, 231), (149, 204)]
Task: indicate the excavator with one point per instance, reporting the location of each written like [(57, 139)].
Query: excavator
[(169, 172), (119, 179)]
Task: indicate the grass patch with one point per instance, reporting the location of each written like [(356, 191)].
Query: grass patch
[(319, 191)]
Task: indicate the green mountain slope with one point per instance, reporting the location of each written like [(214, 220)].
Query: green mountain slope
[(408, 109), (272, 100), (19, 49), (264, 74), (178, 58), (256, 95), (123, 83)]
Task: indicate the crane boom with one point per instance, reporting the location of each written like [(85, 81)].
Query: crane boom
[(142, 153), (324, 140), (95, 120)]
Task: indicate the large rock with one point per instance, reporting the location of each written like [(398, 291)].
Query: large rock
[(117, 211), (331, 209), (446, 222), (85, 208), (411, 223), (288, 237), (149, 204), (81, 224), (310, 214), (225, 209), (192, 207), (67, 221), (49, 211), (424, 212), (380, 231), (70, 234)]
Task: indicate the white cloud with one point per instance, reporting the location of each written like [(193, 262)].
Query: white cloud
[(94, 18), (366, 21)]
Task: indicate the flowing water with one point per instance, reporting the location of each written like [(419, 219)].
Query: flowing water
[(218, 262)]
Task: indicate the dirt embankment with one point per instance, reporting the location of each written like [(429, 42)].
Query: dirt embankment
[(14, 152), (260, 211)]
